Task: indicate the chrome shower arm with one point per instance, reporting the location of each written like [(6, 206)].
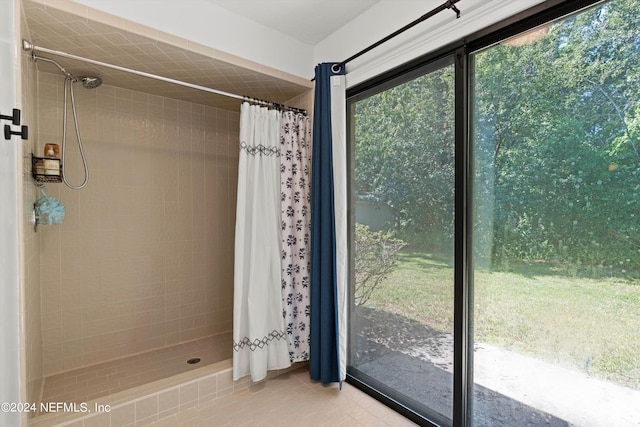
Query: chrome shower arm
[(65, 72)]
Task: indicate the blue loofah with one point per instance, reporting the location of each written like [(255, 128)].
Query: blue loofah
[(50, 209)]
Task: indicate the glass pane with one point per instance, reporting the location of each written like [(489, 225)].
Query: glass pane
[(401, 328), (556, 134)]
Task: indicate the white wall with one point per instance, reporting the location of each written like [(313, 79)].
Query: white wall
[(208, 24), (211, 25), (387, 16), (9, 224)]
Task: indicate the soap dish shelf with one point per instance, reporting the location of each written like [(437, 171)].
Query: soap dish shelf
[(42, 178)]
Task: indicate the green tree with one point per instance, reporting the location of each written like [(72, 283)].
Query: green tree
[(404, 152), (557, 142), (556, 136)]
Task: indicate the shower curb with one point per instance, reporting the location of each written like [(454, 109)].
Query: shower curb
[(155, 401)]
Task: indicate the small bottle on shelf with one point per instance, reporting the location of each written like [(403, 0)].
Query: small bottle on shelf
[(52, 150)]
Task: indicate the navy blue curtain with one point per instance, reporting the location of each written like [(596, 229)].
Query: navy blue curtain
[(324, 341)]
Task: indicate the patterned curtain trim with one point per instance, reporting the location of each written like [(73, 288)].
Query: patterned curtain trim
[(259, 149), (258, 343)]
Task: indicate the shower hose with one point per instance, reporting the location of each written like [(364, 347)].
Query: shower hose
[(68, 82)]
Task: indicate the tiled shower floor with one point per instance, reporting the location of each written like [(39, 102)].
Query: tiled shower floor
[(92, 382)]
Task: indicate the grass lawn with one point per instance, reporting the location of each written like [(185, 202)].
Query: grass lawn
[(585, 323)]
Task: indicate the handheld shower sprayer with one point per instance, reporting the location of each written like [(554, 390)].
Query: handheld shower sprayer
[(88, 82)]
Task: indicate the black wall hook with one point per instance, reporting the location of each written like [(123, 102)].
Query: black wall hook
[(24, 132), (15, 118)]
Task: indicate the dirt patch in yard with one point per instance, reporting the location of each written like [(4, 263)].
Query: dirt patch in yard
[(417, 361)]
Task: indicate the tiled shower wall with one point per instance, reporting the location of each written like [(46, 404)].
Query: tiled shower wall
[(144, 257), (30, 242)]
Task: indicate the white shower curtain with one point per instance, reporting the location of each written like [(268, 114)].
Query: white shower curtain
[(259, 337), (295, 185)]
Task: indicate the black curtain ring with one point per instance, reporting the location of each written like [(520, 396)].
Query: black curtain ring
[(336, 68)]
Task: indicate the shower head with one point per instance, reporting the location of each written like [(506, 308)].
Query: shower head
[(90, 82)]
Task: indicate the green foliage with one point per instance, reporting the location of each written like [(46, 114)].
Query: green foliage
[(376, 256), (405, 151), (556, 139)]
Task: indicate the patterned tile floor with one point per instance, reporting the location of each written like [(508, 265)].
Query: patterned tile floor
[(88, 383)]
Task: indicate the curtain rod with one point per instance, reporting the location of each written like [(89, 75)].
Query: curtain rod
[(449, 4), (28, 46)]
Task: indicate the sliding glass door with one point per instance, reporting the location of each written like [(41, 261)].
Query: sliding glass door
[(556, 135), (401, 323), (495, 198)]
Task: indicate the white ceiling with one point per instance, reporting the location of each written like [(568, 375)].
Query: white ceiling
[(309, 21)]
